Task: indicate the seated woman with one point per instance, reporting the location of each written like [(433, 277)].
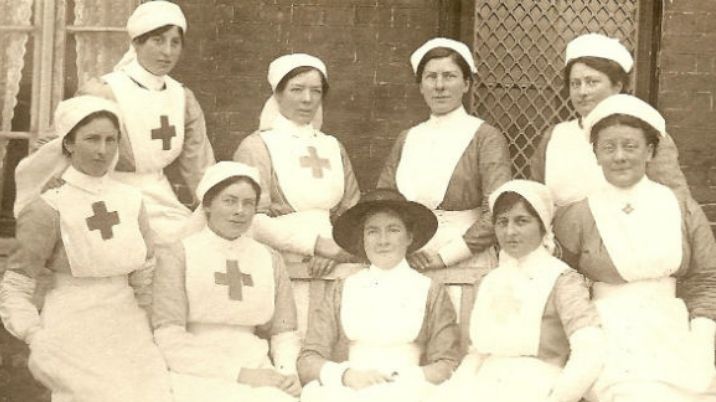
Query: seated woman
[(163, 122), (385, 333), (306, 175), (650, 254), (451, 162), (596, 67), (89, 239), (534, 332), (220, 295)]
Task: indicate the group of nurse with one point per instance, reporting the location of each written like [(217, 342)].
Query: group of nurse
[(123, 294)]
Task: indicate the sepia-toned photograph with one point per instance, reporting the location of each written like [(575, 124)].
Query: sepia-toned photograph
[(357, 201)]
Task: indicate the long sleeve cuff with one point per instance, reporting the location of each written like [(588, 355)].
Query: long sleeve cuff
[(18, 313), (284, 351), (332, 373), (276, 234), (454, 251), (588, 347)]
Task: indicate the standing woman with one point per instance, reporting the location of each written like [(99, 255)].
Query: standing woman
[(385, 333), (224, 313), (306, 175), (596, 67), (89, 239), (650, 254), (163, 122), (451, 162)]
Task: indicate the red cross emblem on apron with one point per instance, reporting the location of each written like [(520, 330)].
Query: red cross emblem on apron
[(234, 279), (102, 220), (165, 133), (316, 163)]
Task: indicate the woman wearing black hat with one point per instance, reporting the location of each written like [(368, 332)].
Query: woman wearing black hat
[(386, 332)]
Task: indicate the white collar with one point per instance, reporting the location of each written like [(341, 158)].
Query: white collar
[(456, 116), (143, 77), (631, 195), (283, 124), (223, 242), (525, 264), (390, 274), (91, 184)]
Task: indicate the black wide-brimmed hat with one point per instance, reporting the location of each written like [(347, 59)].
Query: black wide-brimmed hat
[(348, 228)]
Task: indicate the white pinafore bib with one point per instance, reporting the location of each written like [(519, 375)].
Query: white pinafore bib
[(382, 312), (99, 224), (510, 303)]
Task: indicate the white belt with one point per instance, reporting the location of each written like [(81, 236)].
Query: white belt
[(384, 357), (658, 288)]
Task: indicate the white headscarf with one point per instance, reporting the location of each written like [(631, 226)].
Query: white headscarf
[(598, 45), (147, 17), (214, 175), (539, 197), (33, 172), (625, 104), (457, 46), (277, 70)]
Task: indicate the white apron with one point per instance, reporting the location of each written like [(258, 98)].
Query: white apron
[(382, 313), (96, 344), (230, 290), (505, 326), (420, 178), (647, 327), (155, 130), (309, 170)]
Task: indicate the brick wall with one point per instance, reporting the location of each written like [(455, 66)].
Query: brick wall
[(365, 45), (687, 91)]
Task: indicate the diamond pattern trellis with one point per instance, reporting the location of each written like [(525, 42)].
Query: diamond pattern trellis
[(519, 50)]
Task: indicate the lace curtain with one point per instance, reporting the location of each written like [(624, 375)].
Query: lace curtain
[(98, 52)]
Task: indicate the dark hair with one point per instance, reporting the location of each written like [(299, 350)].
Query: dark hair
[(610, 68), (141, 39), (220, 186), (70, 137), (439, 53), (651, 135), (300, 70), (508, 200), (407, 220)]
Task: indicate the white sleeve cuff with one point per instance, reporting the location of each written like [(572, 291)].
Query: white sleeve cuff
[(454, 251), (284, 351), (282, 237), (18, 313), (332, 373)]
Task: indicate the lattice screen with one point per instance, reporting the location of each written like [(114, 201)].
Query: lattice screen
[(519, 50)]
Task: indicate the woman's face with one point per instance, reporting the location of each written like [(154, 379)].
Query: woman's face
[(94, 146), (518, 232), (386, 239), (301, 97), (443, 85), (232, 210), (160, 53), (622, 152), (588, 87)]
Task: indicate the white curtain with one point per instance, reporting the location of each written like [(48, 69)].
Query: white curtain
[(98, 52)]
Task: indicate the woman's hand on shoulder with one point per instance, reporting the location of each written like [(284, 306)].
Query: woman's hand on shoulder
[(359, 379), (328, 248), (424, 260)]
